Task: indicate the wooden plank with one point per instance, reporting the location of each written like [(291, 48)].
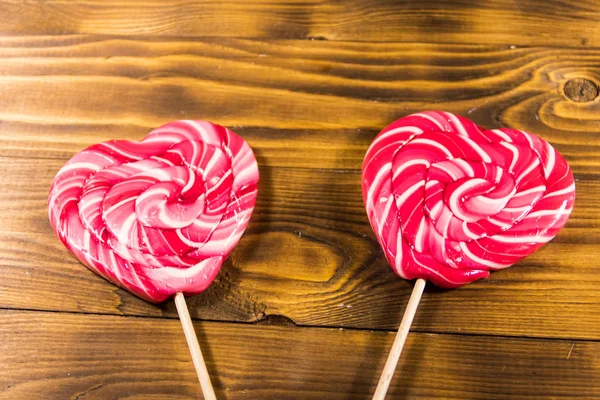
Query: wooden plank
[(299, 103), (59, 356), (529, 22), (309, 255)]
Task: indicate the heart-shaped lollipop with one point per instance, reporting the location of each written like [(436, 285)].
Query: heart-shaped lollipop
[(159, 216), (449, 201)]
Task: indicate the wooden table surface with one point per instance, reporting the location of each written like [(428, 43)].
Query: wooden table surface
[(306, 306)]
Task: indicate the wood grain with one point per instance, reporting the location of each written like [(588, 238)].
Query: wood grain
[(67, 356), (302, 104), (524, 22), (290, 99), (309, 256)]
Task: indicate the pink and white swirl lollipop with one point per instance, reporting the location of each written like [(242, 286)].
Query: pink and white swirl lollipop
[(450, 201), (157, 217)]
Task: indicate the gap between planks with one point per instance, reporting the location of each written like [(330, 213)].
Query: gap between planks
[(192, 38), (307, 326)]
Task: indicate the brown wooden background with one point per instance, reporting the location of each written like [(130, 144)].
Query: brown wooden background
[(306, 306)]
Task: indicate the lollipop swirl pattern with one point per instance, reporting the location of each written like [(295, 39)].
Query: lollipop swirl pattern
[(449, 201), (157, 216)]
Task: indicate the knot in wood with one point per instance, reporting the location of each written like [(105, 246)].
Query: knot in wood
[(581, 90)]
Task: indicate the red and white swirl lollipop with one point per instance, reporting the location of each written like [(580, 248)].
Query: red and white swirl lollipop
[(158, 217), (450, 201)]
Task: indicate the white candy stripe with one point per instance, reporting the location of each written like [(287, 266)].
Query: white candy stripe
[(528, 138), (530, 191), (545, 213), (243, 176), (87, 247), (409, 192), (143, 198), (381, 175), (488, 250), (190, 183), (199, 128), (384, 215), (408, 164), (528, 170), (428, 117), (164, 137), (467, 231), (503, 135), (551, 160), (126, 228), (402, 129), (114, 267), (218, 185), (436, 209), (484, 156), (91, 202), (522, 239), (457, 124), (429, 142), (118, 205), (110, 160), (187, 241), (78, 166), (399, 253), (213, 160), (453, 201), (567, 190), (162, 160), (196, 156), (147, 241), (446, 170), (515, 153), (474, 257), (420, 236), (121, 151), (465, 166), (501, 224), (499, 174), (517, 209)]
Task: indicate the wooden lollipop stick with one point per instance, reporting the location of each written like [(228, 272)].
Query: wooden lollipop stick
[(192, 341), (392, 360)]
